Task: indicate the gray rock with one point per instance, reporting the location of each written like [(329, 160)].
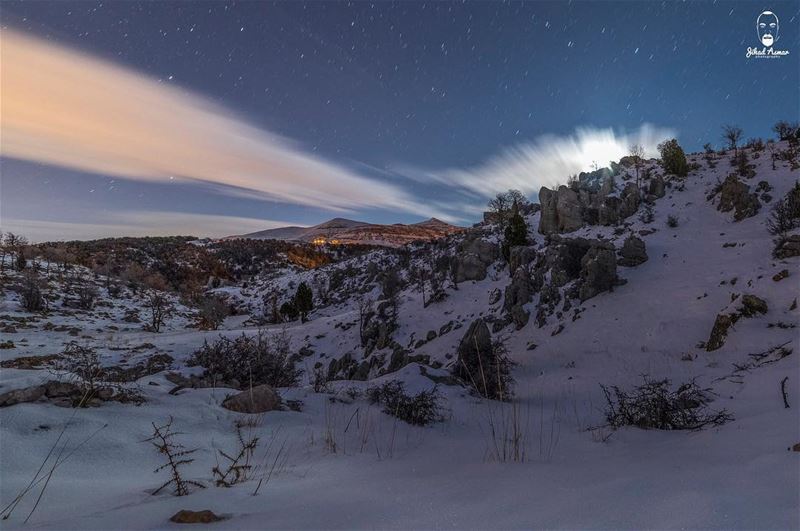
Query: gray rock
[(633, 252), (521, 256), (598, 271), (19, 396), (474, 257), (788, 247), (259, 399), (476, 363), (657, 187), (735, 195), (570, 211), (518, 293), (752, 306)]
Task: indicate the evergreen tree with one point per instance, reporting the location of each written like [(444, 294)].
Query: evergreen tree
[(304, 301), (673, 158), (516, 232)]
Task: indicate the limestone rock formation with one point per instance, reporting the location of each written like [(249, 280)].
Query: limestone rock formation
[(735, 195), (633, 252)]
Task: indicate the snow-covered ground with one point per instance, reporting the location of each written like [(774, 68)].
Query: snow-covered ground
[(387, 474)]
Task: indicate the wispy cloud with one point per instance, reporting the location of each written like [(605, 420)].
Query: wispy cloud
[(67, 108), (547, 161), (138, 223)]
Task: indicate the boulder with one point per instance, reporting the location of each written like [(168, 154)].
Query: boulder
[(570, 211), (719, 331), (788, 247), (752, 306), (630, 200), (548, 222), (735, 195), (657, 187), (259, 399), (18, 396), (563, 258), (476, 363), (521, 256), (194, 517), (473, 258), (598, 271), (633, 252), (518, 293)]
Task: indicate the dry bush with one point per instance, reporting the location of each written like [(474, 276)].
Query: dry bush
[(176, 456), (253, 360), (654, 405), (418, 410), (238, 467)]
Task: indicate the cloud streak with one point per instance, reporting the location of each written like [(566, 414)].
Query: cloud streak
[(138, 223), (66, 108), (547, 161)]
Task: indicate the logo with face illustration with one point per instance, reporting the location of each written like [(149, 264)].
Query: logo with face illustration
[(767, 26)]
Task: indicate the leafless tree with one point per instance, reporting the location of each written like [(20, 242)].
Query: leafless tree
[(160, 307), (637, 155), (732, 135)]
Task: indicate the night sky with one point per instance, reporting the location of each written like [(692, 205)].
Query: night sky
[(440, 103)]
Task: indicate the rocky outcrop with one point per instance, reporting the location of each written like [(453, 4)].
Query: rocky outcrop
[(657, 188), (473, 258), (566, 210), (748, 306), (476, 363), (521, 256), (259, 399), (518, 293), (788, 247), (598, 271), (633, 252), (735, 195)]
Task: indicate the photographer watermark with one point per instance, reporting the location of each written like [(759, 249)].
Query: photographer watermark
[(768, 29)]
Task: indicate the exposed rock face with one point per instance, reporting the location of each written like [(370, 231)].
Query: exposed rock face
[(657, 187), (748, 306), (520, 256), (563, 259), (598, 271), (788, 247), (735, 195), (518, 293), (719, 331), (18, 396), (478, 365), (566, 210), (259, 399), (752, 306), (633, 252), (475, 352), (474, 257)]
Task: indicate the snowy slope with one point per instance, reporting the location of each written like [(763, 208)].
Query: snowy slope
[(737, 476)]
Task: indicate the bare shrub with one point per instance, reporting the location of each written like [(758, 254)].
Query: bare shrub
[(213, 311), (31, 293), (238, 467), (654, 405), (87, 294), (159, 306), (176, 456), (83, 363), (256, 359), (419, 410)]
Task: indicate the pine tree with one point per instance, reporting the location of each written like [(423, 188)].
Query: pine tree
[(516, 232), (304, 301), (673, 158)]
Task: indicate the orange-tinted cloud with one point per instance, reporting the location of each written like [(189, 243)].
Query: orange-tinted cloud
[(66, 108)]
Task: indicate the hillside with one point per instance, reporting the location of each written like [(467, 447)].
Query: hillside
[(349, 232), (678, 279)]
